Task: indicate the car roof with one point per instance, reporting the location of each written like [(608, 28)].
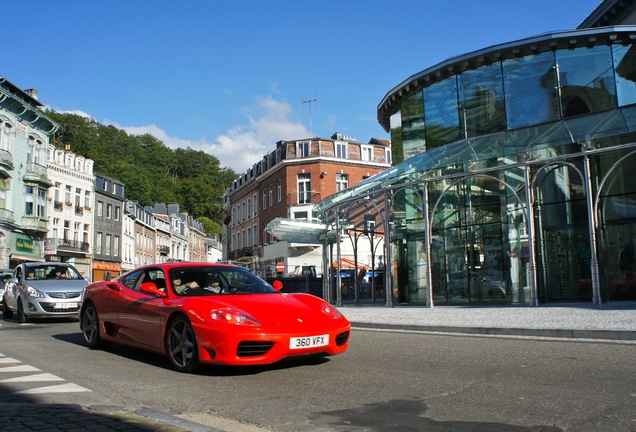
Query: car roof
[(186, 264)]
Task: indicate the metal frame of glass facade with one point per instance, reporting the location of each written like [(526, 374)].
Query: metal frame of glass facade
[(514, 184)]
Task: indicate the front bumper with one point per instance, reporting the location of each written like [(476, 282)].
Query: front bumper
[(51, 308), (253, 347)]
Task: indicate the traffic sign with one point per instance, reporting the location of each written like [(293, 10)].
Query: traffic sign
[(280, 267)]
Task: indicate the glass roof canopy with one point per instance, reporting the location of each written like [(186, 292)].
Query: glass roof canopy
[(508, 148)]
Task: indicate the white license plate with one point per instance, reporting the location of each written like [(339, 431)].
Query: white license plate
[(308, 342), (64, 305)]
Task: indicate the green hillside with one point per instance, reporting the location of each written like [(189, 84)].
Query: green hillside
[(152, 172)]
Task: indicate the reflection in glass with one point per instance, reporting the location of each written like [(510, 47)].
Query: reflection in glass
[(586, 80), (482, 101), (396, 138), (414, 141), (530, 84), (625, 65), (440, 113)]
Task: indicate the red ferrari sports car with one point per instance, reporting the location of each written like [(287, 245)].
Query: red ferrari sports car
[(202, 313)]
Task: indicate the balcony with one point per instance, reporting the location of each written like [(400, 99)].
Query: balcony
[(7, 216), (54, 245), (6, 159), (36, 173), (164, 250), (240, 253), (34, 223)]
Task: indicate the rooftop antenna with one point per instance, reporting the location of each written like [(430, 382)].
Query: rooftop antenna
[(309, 102)]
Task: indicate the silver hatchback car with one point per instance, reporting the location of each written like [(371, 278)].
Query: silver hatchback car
[(43, 290)]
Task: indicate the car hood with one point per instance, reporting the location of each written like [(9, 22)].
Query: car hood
[(279, 310), (53, 285)]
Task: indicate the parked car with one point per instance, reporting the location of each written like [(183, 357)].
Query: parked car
[(4, 275), (202, 313), (43, 290)]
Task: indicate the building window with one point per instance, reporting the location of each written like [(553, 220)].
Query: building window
[(116, 246), (109, 211), (98, 244), (6, 136), (117, 212), (341, 149), (107, 245), (249, 208), (279, 191), (367, 153), (67, 195), (342, 182), (100, 208), (255, 235), (302, 149), (255, 199), (35, 201), (271, 196), (304, 188), (264, 200), (387, 155)]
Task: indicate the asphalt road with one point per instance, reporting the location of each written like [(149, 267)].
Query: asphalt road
[(387, 381)]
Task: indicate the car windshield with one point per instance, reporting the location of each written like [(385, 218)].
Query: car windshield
[(214, 280), (52, 271)]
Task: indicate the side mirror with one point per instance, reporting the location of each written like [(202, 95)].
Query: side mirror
[(151, 288), (278, 285)]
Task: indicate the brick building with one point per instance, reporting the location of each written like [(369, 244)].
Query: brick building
[(286, 184)]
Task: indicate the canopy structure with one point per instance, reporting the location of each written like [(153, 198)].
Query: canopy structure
[(298, 231), (549, 140)]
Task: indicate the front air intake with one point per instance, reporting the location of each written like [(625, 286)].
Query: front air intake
[(253, 348)]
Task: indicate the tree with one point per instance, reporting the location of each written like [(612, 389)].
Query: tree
[(151, 172)]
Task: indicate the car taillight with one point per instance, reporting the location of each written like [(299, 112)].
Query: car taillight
[(233, 316), (330, 311)]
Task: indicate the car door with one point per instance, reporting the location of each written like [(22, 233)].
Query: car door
[(12, 290), (141, 315)]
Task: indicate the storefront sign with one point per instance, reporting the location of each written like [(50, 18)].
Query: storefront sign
[(24, 245), (102, 265)]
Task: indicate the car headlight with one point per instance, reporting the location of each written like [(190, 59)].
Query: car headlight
[(233, 316), (33, 293), (330, 311)]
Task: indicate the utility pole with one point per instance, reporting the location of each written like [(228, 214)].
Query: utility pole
[(309, 102)]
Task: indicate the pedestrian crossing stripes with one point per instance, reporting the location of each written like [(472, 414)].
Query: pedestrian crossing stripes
[(11, 365)]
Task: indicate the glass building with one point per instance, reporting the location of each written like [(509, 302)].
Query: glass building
[(512, 181)]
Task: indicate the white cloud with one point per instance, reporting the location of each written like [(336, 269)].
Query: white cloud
[(243, 145)]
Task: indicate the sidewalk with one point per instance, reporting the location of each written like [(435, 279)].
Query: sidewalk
[(615, 321)]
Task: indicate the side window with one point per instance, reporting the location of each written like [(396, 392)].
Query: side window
[(156, 276), (131, 280)]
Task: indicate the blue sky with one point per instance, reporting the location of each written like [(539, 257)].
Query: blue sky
[(230, 77)]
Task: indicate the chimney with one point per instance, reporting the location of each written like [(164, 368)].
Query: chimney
[(32, 92)]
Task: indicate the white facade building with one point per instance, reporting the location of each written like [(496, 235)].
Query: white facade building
[(69, 209)]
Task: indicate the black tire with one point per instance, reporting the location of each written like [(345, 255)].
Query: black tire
[(22, 316), (91, 327), (6, 312), (182, 346)]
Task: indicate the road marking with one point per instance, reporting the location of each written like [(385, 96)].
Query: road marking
[(23, 368), (33, 378), (8, 364), (61, 388)]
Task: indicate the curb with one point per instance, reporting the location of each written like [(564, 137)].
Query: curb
[(620, 335)]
